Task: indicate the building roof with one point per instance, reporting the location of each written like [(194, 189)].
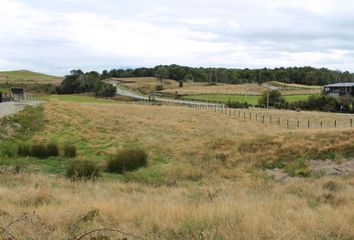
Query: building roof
[(346, 84)]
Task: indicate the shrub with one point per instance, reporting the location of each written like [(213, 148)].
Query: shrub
[(298, 168), (69, 151), (273, 98), (127, 160), (39, 151), (8, 149), (159, 88), (83, 170), (52, 150), (235, 104), (23, 150)]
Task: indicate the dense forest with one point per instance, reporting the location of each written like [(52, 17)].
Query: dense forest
[(299, 75)]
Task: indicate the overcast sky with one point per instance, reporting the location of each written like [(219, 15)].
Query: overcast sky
[(56, 36)]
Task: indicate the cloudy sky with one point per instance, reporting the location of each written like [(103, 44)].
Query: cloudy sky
[(56, 36)]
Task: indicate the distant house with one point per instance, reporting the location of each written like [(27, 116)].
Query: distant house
[(339, 89)]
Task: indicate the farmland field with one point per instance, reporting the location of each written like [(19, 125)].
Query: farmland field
[(241, 98), (205, 174), (27, 77), (148, 84)]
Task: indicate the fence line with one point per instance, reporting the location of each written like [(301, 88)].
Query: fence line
[(276, 120)]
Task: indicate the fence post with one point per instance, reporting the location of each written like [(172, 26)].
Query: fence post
[(287, 123), (250, 115), (270, 119), (239, 113), (279, 121), (234, 112), (244, 115), (263, 119), (321, 124), (351, 122), (256, 117), (308, 124), (335, 123)]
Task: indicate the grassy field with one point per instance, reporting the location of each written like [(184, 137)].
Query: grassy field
[(205, 177), (296, 86), (23, 76), (240, 98), (77, 99), (148, 84)]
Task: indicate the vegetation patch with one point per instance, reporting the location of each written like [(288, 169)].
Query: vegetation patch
[(127, 160), (83, 170)]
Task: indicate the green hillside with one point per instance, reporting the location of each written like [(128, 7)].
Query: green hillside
[(24, 76)]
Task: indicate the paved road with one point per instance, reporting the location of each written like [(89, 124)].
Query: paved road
[(124, 92), (9, 108)]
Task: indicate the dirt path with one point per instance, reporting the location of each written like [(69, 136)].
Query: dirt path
[(9, 108)]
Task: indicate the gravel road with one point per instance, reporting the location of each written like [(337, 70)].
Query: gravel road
[(9, 108), (124, 92)]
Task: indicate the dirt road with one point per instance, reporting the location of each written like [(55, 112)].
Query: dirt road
[(9, 108)]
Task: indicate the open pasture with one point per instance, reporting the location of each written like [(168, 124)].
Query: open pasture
[(205, 176)]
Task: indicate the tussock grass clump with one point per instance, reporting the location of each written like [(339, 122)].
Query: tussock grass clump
[(70, 151), (39, 150), (83, 170), (127, 160), (52, 150), (24, 150)]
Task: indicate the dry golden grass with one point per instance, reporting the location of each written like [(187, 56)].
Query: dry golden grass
[(145, 84), (244, 209), (209, 185), (148, 84), (204, 88)]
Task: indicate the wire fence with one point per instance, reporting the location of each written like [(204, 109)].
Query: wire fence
[(10, 97), (284, 118)]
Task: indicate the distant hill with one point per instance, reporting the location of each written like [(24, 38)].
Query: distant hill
[(24, 76)]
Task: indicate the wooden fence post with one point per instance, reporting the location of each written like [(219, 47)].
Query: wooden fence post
[(279, 121), (263, 119), (298, 123), (321, 124), (351, 122), (287, 123), (250, 116), (335, 123), (308, 124)]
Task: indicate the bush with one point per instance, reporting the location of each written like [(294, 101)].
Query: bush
[(52, 150), (69, 151), (159, 88), (235, 104), (23, 150), (127, 160), (273, 98), (105, 90), (83, 170), (8, 149), (39, 151)]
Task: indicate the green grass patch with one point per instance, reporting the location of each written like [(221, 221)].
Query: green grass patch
[(23, 76), (293, 85), (78, 99), (224, 98)]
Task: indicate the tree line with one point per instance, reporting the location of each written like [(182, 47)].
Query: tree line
[(298, 75), (80, 82)]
